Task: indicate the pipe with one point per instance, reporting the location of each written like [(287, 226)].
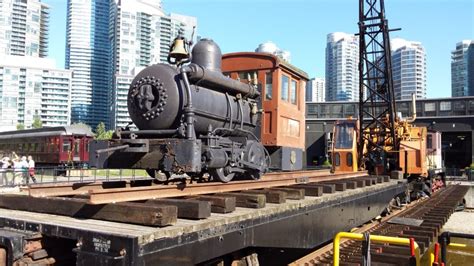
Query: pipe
[(216, 81), (116, 148), (150, 132), (413, 112)]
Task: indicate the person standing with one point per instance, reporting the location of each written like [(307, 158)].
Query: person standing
[(24, 169), (31, 168)]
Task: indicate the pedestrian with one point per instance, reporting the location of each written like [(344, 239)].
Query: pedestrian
[(24, 169), (31, 168), (16, 171), (5, 165)]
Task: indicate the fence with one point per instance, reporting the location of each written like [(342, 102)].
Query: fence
[(17, 177)]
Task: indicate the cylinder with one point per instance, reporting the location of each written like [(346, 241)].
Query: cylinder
[(156, 100)]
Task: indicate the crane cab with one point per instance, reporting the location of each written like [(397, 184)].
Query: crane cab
[(282, 88), (344, 150)]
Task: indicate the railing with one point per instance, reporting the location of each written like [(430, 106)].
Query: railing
[(414, 249), (21, 177)]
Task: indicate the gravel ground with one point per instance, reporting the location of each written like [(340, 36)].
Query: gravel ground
[(461, 222)]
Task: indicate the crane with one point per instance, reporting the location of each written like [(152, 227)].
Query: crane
[(378, 141)]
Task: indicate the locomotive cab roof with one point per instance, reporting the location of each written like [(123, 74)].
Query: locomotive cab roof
[(260, 59)]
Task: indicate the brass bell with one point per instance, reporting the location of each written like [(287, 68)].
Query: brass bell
[(178, 49)]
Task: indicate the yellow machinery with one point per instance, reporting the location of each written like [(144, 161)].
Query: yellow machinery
[(410, 152)]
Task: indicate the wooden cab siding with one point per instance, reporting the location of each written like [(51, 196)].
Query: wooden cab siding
[(283, 118)]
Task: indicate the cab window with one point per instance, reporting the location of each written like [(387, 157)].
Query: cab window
[(344, 136), (268, 86), (285, 84), (293, 91)]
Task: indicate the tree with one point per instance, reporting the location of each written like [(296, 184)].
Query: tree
[(20, 126), (101, 133), (37, 123)]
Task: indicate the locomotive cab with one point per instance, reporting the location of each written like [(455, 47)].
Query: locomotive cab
[(282, 87)]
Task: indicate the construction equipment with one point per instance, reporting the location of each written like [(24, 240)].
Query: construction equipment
[(379, 141)]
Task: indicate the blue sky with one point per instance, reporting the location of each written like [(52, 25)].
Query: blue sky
[(301, 27)]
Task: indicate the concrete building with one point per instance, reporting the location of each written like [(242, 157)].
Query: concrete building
[(453, 117), (24, 28), (315, 90), (462, 69), (271, 48), (33, 87), (408, 69), (141, 34), (342, 74)]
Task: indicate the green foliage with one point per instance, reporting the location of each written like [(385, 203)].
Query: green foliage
[(472, 166), (101, 133), (37, 123), (20, 126)]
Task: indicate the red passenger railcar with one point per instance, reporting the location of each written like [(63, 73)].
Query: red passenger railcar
[(53, 146)]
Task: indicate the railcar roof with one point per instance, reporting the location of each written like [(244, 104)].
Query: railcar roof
[(48, 131)]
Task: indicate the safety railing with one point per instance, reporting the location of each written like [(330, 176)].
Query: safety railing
[(367, 238), (444, 243), (22, 177)]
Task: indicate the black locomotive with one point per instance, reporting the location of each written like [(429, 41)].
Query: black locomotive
[(191, 119)]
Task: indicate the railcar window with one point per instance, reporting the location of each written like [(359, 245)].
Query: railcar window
[(293, 91), (66, 146), (268, 86), (77, 145), (285, 84)]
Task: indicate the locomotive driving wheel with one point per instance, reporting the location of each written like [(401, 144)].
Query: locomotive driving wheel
[(221, 174), (158, 175)]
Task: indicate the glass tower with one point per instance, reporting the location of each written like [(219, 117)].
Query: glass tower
[(408, 69), (315, 89), (342, 74), (462, 69), (87, 55)]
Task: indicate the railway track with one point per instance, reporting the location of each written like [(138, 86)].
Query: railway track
[(161, 205), (122, 191), (423, 222)]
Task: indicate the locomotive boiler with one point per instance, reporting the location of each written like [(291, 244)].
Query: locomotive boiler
[(191, 119)]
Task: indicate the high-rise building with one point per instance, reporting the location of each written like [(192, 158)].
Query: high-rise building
[(88, 56), (315, 90), (271, 48), (141, 34), (408, 69), (462, 69), (342, 74), (24, 28), (32, 87)]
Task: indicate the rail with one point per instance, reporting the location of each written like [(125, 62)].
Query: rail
[(415, 249), (54, 175)]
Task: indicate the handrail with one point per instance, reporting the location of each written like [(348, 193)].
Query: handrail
[(445, 241), (375, 238)]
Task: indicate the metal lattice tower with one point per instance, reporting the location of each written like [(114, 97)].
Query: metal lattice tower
[(376, 96)]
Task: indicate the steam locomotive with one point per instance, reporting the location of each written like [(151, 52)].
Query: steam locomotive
[(193, 119)]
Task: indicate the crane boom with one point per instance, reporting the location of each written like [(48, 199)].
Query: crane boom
[(377, 139)]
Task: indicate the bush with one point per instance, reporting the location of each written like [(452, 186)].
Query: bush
[(471, 166), (326, 163)]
